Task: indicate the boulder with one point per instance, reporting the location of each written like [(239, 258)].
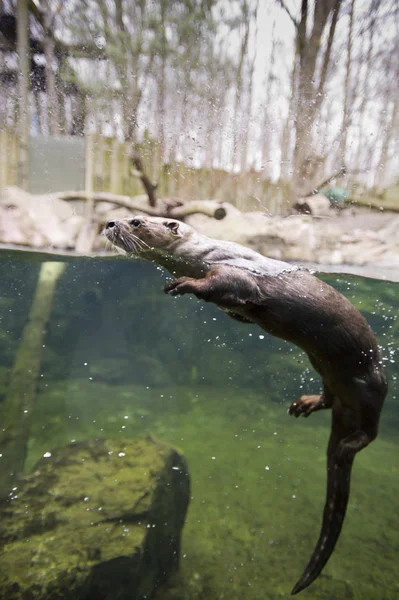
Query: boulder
[(37, 221), (361, 239), (95, 520)]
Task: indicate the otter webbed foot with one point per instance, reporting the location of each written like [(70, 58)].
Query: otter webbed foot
[(305, 405)]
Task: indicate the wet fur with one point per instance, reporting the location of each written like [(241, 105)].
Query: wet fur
[(298, 307)]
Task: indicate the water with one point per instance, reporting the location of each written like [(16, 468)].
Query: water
[(120, 359)]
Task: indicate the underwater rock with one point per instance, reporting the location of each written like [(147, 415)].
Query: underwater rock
[(95, 520)]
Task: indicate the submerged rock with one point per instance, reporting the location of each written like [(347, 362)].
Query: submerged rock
[(96, 520)]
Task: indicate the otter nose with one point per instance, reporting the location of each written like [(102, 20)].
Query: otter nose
[(111, 224)]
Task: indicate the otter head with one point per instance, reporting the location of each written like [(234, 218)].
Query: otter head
[(142, 234)]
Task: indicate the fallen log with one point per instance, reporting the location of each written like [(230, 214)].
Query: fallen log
[(165, 207), (211, 208), (380, 206)]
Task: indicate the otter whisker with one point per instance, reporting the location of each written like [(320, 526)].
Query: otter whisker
[(110, 246), (141, 243), (130, 244)]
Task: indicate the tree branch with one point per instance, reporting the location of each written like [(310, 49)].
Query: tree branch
[(342, 171), (327, 54), (149, 187), (138, 204), (289, 13)]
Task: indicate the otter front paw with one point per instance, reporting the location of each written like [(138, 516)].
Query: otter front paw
[(178, 287), (305, 405)]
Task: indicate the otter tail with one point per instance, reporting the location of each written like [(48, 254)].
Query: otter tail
[(338, 486)]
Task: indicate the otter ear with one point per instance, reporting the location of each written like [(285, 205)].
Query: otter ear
[(173, 226)]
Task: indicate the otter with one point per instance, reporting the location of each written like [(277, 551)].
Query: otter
[(290, 303)]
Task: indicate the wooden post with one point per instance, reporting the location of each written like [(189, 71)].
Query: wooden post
[(115, 184), (99, 149), (3, 158), (12, 160), (89, 163), (23, 90), (85, 239)]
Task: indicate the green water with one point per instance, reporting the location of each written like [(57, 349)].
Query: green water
[(121, 359)]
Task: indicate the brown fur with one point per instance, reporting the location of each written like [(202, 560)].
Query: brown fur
[(295, 306)]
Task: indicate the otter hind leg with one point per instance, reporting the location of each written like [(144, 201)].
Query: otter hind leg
[(352, 444), (306, 405)]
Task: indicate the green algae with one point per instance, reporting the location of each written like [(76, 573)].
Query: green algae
[(95, 519), (123, 360), (258, 480)]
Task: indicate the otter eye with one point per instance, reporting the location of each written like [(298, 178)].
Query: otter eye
[(135, 222), (172, 225)]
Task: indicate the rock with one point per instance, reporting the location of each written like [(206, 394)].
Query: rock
[(355, 237), (37, 221), (344, 239), (317, 205), (96, 520)]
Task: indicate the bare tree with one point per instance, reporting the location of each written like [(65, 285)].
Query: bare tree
[(311, 85), (346, 117), (247, 116), (23, 89), (265, 133), (287, 133), (246, 23), (389, 116), (366, 85)]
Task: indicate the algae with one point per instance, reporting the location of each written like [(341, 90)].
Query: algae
[(118, 366), (100, 518)]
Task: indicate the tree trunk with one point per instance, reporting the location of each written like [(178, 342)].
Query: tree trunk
[(239, 81), (347, 117), (391, 125), (247, 117), (161, 83), (23, 90), (310, 96), (286, 138), (265, 129), (49, 47), (38, 108), (362, 140), (78, 114)]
